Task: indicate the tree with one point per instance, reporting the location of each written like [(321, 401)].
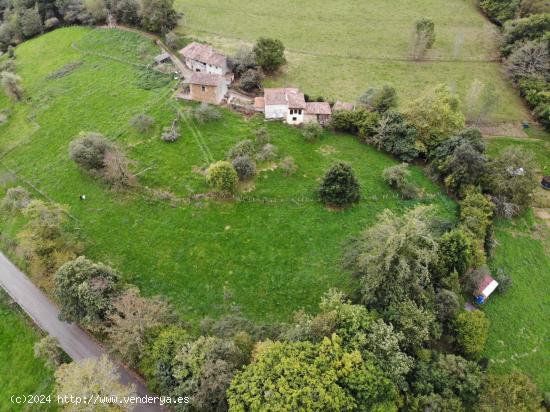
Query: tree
[(472, 328), (529, 61), (340, 186), (447, 304), (455, 253), (242, 148), (251, 80), (222, 177), (393, 258), (512, 392), (203, 370), (307, 376), (243, 60), (311, 131), (245, 167), (380, 99), (142, 123), (270, 53), (359, 121), (44, 241), (16, 198), (132, 319), (11, 83), (127, 12), (449, 376), (89, 150), (436, 115), (86, 291), (31, 22), (117, 170), (397, 136), (90, 379), (158, 358), (423, 39), (158, 16), (416, 323), (48, 349), (97, 9), (517, 31), (512, 180)]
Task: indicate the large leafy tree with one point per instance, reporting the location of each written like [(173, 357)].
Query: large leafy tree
[(270, 53), (393, 258), (512, 392), (472, 329), (86, 291), (158, 16), (436, 115), (308, 376)]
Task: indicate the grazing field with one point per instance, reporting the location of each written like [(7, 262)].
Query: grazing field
[(520, 321), (339, 49), (274, 250), (21, 372)]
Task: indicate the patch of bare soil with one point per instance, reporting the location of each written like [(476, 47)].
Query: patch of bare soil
[(543, 214), (268, 166), (327, 150), (247, 186), (503, 129)]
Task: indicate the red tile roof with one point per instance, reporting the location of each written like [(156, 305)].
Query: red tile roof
[(204, 54), (289, 96)]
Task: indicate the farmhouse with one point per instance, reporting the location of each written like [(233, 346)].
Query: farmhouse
[(207, 87), (289, 104), (203, 58), (486, 287)]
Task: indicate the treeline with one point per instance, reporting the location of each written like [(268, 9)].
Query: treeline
[(24, 19), (525, 49)]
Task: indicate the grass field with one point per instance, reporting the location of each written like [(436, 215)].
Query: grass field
[(21, 373), (520, 320), (275, 250), (339, 49)]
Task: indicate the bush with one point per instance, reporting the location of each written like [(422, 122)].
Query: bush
[(170, 134), (288, 166), (380, 99), (242, 148), (270, 53), (396, 176), (86, 291), (48, 349), (243, 59), (424, 38), (359, 121), (340, 186), (311, 131), (206, 113), (51, 23), (116, 170), (222, 177), (88, 151), (142, 123), (472, 328), (267, 152), (16, 198), (504, 281), (455, 253), (245, 167), (396, 136), (262, 136), (11, 83)]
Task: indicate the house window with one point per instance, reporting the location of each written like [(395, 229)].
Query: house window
[(197, 69), (203, 88), (294, 119), (300, 111)]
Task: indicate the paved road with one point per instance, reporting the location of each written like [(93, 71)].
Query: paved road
[(77, 343)]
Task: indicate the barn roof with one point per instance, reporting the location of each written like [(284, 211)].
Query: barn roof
[(205, 79), (487, 286), (318, 108), (204, 54)]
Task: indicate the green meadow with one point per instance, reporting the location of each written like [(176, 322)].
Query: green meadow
[(339, 49)]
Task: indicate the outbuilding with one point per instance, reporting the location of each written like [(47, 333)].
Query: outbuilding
[(487, 286), (319, 112), (206, 87), (204, 59)]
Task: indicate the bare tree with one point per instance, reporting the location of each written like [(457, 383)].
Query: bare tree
[(531, 60), (423, 38)]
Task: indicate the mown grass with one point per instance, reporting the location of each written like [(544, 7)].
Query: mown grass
[(271, 252), (520, 321), (339, 49), (21, 373)]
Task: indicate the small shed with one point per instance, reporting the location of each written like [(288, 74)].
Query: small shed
[(486, 287), (319, 112), (162, 58)]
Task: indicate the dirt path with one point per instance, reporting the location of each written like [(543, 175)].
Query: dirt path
[(72, 339)]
